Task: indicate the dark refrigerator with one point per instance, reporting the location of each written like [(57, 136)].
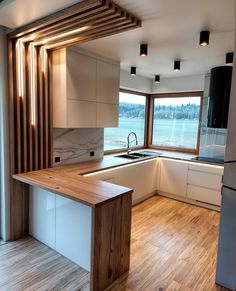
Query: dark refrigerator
[(226, 258)]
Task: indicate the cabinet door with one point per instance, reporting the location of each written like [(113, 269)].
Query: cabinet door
[(81, 114), (81, 77), (108, 82), (173, 177), (107, 115), (42, 213), (73, 231)]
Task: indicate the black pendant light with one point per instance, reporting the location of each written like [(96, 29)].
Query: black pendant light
[(204, 38), (177, 65), (229, 58), (133, 71), (143, 50), (157, 79)]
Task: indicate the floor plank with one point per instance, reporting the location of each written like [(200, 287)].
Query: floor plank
[(173, 248), (30, 265)]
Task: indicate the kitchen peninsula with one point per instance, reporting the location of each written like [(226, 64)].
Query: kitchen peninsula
[(86, 220)]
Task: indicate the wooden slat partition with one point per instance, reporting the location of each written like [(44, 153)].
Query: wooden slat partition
[(30, 101)]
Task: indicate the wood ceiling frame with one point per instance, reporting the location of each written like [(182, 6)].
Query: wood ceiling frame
[(29, 86)]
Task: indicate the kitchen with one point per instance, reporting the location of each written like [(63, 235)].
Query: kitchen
[(90, 140)]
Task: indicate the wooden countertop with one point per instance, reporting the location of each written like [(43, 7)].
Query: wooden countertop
[(72, 185), (68, 180)]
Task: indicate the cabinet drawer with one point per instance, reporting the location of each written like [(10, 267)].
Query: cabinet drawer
[(207, 180), (217, 170), (204, 195)]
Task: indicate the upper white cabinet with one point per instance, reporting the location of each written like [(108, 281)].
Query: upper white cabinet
[(108, 82), (85, 90), (173, 178)]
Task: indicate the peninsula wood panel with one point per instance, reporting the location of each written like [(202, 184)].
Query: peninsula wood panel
[(115, 237), (30, 103)]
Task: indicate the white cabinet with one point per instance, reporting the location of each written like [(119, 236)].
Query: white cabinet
[(42, 207), (204, 183), (173, 177), (108, 82), (140, 176), (73, 238), (85, 90), (62, 224)]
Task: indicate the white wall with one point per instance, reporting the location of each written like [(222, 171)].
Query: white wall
[(4, 142), (136, 83), (179, 84), (167, 85)]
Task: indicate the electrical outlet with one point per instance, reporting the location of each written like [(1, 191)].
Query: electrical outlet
[(57, 159), (92, 154)]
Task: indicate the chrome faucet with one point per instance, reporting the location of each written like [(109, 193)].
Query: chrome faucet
[(128, 141)]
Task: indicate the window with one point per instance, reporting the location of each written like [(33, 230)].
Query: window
[(132, 116), (176, 121)]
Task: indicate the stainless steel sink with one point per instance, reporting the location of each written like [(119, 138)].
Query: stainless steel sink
[(130, 156), (139, 155)]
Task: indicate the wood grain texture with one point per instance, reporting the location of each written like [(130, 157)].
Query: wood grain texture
[(111, 241), (29, 265), (31, 140), (85, 190), (173, 247)]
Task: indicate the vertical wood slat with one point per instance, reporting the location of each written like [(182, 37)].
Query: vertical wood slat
[(17, 119), (28, 101), (40, 94), (46, 114), (35, 126), (24, 115), (50, 111)]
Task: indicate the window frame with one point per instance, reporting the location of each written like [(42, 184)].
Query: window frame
[(151, 121), (147, 96)]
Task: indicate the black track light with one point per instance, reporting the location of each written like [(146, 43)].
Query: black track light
[(157, 79), (204, 38), (143, 50), (177, 65), (133, 71), (229, 58)]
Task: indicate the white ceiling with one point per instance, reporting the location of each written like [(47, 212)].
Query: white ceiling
[(170, 27)]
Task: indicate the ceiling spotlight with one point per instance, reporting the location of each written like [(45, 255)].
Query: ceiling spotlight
[(177, 66), (133, 71), (143, 50), (204, 38), (157, 79), (229, 59)]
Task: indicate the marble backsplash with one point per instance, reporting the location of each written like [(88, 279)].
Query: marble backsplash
[(75, 145)]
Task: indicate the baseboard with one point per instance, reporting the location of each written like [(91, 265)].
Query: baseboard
[(143, 198), (190, 201)]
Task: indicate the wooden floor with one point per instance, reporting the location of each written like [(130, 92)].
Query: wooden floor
[(173, 248), (30, 265)]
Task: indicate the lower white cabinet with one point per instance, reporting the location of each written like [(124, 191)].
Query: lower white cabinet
[(140, 176), (173, 177), (72, 236), (62, 224), (204, 195), (204, 183)]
